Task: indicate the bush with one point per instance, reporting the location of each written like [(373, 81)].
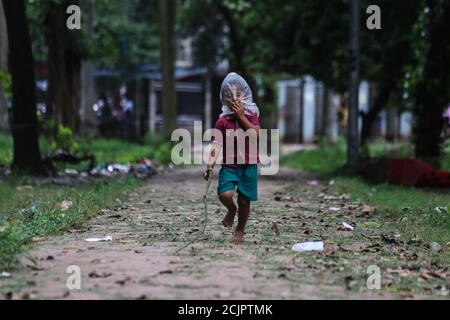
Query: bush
[(64, 140), (6, 150)]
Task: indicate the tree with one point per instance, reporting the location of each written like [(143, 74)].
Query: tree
[(355, 58), (225, 30), (122, 35), (27, 155), (65, 55), (88, 118), (3, 72), (432, 89), (167, 15), (387, 53), (125, 34)]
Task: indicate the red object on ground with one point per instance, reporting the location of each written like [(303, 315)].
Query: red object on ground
[(411, 172)]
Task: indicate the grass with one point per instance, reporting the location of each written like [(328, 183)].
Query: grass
[(26, 213), (119, 151), (414, 209), (105, 150), (6, 149), (328, 160)]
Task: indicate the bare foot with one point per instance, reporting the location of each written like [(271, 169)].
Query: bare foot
[(238, 237), (228, 221)]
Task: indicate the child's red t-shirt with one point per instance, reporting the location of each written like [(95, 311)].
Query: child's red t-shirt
[(229, 122)]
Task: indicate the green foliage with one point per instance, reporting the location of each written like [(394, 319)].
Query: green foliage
[(119, 151), (47, 128), (414, 70), (154, 147), (326, 159), (5, 82), (202, 21), (268, 93), (64, 140), (6, 150), (125, 33)]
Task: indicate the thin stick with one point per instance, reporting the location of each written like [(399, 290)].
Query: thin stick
[(205, 202), (205, 213)]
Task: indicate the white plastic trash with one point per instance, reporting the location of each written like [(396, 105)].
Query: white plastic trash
[(308, 246), (346, 226), (108, 238)]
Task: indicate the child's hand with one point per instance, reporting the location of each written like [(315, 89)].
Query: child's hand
[(207, 174), (238, 109)]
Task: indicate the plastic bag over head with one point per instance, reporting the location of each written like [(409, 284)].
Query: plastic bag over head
[(234, 87)]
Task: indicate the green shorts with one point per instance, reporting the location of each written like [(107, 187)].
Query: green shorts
[(244, 178)]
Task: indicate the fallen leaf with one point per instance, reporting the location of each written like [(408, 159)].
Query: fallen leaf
[(94, 274), (166, 272), (34, 268), (96, 261), (367, 210), (349, 282), (114, 216), (328, 251), (275, 228), (123, 281), (426, 276)]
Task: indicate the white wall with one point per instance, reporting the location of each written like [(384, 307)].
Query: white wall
[(309, 110)]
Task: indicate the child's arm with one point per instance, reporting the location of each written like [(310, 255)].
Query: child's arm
[(215, 151), (243, 120)]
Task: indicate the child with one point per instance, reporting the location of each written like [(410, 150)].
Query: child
[(239, 172)]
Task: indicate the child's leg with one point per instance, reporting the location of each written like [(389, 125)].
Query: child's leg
[(243, 214), (227, 200)]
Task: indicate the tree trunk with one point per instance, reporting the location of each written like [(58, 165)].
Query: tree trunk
[(64, 61), (332, 121), (391, 125), (432, 92), (301, 97), (368, 119), (167, 14), (27, 157), (3, 67), (88, 118), (318, 103), (329, 127), (352, 135)]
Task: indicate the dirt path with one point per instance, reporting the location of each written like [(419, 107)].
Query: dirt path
[(142, 261)]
